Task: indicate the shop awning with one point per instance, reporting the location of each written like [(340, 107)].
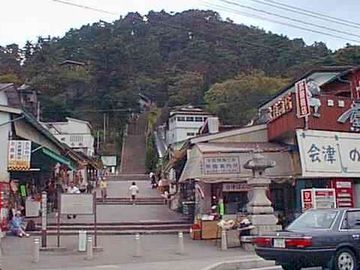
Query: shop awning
[(57, 158), (224, 162)]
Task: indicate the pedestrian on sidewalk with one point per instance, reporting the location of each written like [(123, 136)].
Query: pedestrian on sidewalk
[(16, 225), (72, 189), (103, 188), (153, 180), (133, 190)]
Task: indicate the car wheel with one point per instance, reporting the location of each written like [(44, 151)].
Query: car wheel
[(345, 259)]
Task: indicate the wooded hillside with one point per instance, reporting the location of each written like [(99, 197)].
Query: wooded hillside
[(173, 58)]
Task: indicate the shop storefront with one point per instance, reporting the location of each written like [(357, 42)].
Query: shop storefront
[(330, 160), (219, 177)]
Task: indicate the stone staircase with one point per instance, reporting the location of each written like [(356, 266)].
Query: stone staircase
[(134, 150)]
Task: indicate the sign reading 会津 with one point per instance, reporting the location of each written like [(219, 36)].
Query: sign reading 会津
[(329, 154), (19, 155)]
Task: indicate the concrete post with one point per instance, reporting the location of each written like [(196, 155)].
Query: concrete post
[(82, 241), (89, 248), (223, 240), (43, 219), (36, 250), (138, 251), (181, 243)]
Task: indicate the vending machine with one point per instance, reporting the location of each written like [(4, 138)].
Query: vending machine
[(4, 205)]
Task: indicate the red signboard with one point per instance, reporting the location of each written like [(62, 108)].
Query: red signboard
[(344, 192), (307, 199), (302, 99)]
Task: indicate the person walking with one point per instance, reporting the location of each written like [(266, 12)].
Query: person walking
[(133, 190), (103, 188), (72, 189)]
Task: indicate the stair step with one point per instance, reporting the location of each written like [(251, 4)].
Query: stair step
[(127, 232)]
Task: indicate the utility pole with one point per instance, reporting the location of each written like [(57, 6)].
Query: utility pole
[(38, 111), (97, 141), (104, 127)]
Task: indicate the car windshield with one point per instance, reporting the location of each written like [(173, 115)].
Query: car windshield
[(318, 219)]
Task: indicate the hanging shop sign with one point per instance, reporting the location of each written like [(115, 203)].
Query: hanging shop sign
[(221, 165), (302, 99), (329, 154), (19, 155), (235, 187), (318, 198)]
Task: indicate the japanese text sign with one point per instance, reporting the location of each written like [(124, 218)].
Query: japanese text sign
[(329, 154), (302, 99), (19, 155), (318, 198), (221, 165), (282, 106)]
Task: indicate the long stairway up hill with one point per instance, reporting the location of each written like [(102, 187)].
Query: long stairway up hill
[(134, 149)]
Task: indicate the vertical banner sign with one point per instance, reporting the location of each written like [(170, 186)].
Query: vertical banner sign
[(19, 155), (355, 86), (344, 192), (302, 99)]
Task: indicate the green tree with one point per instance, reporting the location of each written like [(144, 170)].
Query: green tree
[(235, 101), (186, 89)]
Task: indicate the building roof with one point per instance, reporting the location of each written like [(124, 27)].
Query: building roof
[(188, 110), (72, 62), (3, 86), (321, 75), (224, 134), (230, 147)]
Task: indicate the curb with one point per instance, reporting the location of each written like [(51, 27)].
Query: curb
[(250, 263)]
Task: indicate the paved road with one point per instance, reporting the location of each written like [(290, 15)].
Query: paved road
[(158, 251), (122, 213), (120, 189)]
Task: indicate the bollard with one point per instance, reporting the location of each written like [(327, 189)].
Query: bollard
[(89, 248), (223, 240), (180, 243), (36, 250), (82, 241), (137, 245)]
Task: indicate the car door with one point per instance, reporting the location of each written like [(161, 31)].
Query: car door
[(351, 225)]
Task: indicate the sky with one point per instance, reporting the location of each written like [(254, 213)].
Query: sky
[(22, 20)]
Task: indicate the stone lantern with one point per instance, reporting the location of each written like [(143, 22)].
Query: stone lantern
[(260, 211)]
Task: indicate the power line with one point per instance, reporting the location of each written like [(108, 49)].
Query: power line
[(298, 21), (251, 15), (306, 12), (85, 7)]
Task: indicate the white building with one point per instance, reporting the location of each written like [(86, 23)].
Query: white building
[(184, 123), (75, 133)]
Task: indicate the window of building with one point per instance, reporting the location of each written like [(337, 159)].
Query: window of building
[(198, 119), (190, 134), (189, 119), (180, 118)]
